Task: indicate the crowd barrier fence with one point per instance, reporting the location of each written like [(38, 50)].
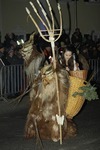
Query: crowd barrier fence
[(13, 80), (94, 65)]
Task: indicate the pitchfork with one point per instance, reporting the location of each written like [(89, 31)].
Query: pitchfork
[(52, 35)]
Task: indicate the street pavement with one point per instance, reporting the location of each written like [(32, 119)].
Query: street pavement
[(12, 122)]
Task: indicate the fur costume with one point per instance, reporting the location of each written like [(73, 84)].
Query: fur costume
[(41, 118)]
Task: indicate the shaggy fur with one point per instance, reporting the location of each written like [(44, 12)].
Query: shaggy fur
[(43, 96)]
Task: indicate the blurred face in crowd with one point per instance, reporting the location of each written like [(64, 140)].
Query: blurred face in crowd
[(11, 53), (2, 49), (67, 55)]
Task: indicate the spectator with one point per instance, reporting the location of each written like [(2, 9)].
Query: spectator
[(93, 53), (7, 40), (84, 51), (1, 50), (64, 38), (12, 58), (76, 37), (2, 55)]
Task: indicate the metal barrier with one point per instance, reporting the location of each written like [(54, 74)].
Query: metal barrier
[(94, 69), (13, 80)]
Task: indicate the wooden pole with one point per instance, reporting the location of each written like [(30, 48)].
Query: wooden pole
[(51, 33)]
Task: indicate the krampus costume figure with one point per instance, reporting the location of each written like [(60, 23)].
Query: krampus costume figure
[(42, 116)]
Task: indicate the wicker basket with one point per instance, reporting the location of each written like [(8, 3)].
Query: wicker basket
[(82, 74), (74, 104)]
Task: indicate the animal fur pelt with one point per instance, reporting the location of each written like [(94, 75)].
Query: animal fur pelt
[(43, 96), (33, 60)]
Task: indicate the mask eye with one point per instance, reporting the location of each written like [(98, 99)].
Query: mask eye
[(23, 55), (28, 53)]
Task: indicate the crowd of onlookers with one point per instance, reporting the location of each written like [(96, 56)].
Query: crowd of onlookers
[(85, 45), (10, 55), (9, 50)]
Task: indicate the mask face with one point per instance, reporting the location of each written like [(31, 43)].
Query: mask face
[(26, 52)]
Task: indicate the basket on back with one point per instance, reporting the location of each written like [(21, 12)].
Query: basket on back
[(82, 74), (74, 104)]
